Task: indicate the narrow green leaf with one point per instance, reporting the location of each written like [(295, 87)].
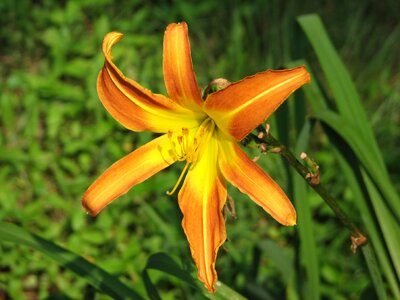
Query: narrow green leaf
[(389, 226), (164, 263), (150, 287), (308, 275), (337, 75), (373, 232), (348, 167), (308, 249), (349, 105), (224, 292), (93, 274), (374, 270), (387, 223)]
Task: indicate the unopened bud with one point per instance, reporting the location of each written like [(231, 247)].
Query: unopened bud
[(263, 147), (303, 155), (261, 135), (215, 86)]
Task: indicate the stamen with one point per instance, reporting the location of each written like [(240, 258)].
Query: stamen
[(189, 148), (182, 155), (179, 180), (180, 141), (185, 134)]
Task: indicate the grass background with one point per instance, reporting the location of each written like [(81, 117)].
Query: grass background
[(56, 138)]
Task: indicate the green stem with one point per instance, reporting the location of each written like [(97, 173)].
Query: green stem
[(358, 239)]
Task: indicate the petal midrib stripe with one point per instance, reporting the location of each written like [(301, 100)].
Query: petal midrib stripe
[(262, 94)]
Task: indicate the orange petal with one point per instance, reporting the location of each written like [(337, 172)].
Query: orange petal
[(179, 76), (250, 179), (245, 104), (134, 106), (201, 200), (127, 172)]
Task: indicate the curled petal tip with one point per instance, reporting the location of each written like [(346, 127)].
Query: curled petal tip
[(111, 39)]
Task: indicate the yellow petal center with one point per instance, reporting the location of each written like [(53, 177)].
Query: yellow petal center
[(188, 146)]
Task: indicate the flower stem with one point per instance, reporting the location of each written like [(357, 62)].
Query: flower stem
[(267, 141)]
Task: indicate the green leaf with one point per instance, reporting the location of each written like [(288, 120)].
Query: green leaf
[(374, 270), (349, 106), (351, 125), (309, 280), (224, 292), (348, 169), (164, 263), (93, 274), (308, 248), (373, 233)]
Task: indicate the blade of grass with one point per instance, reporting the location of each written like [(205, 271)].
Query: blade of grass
[(318, 103), (390, 227), (295, 110), (375, 272), (93, 274), (308, 249), (224, 292), (337, 75), (385, 218), (373, 231), (349, 105), (164, 263)]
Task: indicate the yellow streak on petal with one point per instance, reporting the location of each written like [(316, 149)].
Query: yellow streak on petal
[(134, 106), (250, 179), (127, 172), (179, 77), (245, 104), (201, 200)]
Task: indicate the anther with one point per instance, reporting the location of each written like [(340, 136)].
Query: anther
[(179, 138)]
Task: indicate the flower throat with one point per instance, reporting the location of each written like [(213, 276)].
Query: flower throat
[(184, 147)]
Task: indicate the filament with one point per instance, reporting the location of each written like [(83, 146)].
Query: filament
[(179, 180)]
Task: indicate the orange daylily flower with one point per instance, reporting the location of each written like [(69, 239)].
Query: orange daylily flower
[(203, 133)]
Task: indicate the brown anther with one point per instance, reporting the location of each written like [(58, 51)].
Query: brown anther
[(170, 133), (180, 139), (185, 131)]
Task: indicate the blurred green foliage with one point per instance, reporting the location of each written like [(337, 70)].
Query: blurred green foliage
[(56, 138)]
